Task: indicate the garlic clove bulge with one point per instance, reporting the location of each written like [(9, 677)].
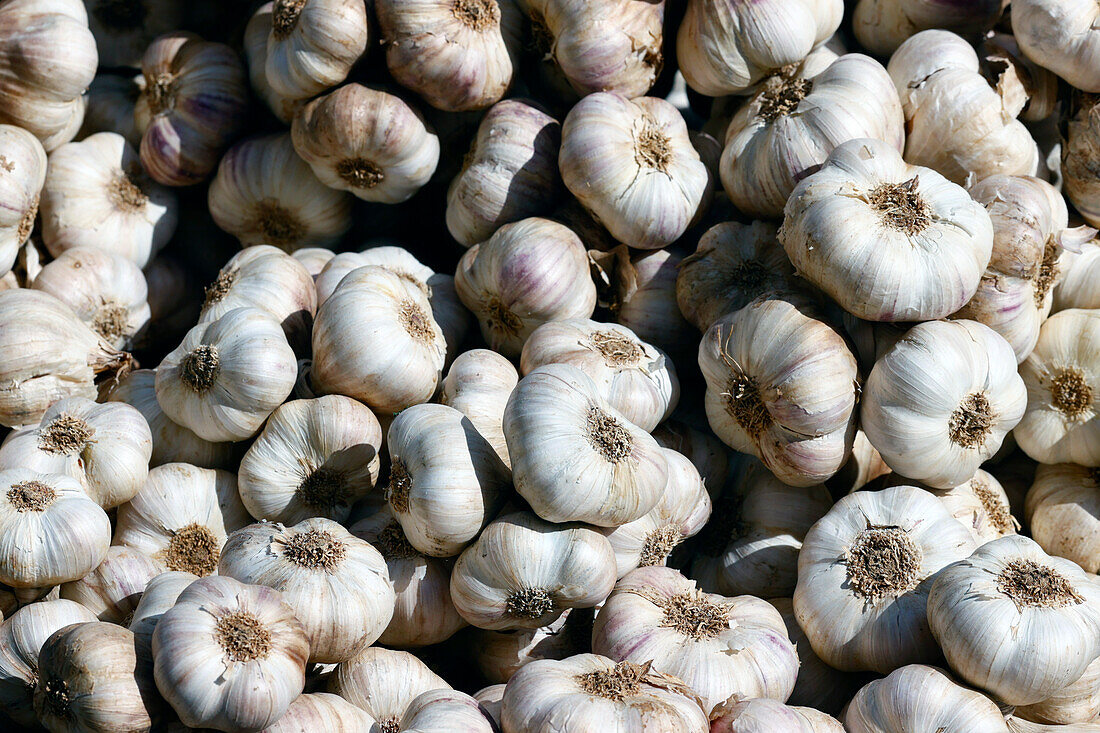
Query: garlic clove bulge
[(22, 176), (313, 44)]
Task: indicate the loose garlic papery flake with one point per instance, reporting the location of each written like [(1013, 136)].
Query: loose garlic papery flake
[(113, 589), (1063, 36), (22, 174), (313, 44), (763, 715), (1079, 702), (384, 683), (863, 577), (882, 25), (1015, 621), (478, 385), (1063, 512)]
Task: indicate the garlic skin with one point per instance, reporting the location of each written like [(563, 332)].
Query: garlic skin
[(979, 503), (109, 104), (988, 610), (919, 697), (322, 711), (883, 25), (1080, 152), (529, 272), (958, 375), (1019, 725), (229, 656), (1077, 287), (375, 340), (647, 302), (21, 178), (160, 595), (313, 44), (383, 683), (314, 259), (1062, 374), (593, 691), (576, 458), (1079, 702), (727, 47), (491, 699), (633, 167), (1063, 36), (113, 589), (500, 654), (717, 645), (264, 193), (444, 711), (48, 58), (193, 101), (510, 171), (863, 577), (523, 572), (478, 385), (1063, 512), (366, 141), (789, 127), (761, 715), (255, 50)]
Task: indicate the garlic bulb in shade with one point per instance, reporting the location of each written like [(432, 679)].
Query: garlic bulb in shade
[(863, 466), (918, 697), (113, 589), (1063, 36), (717, 645), (491, 699), (21, 177), (646, 301), (864, 575), (229, 656), (48, 58), (90, 679), (110, 103), (1063, 511), (1062, 374), (795, 121), (529, 272), (500, 654), (710, 456), (510, 171), (1080, 153), (366, 141), (788, 399), (727, 47), (938, 404), (314, 458), (193, 103), (445, 711), (182, 517), (593, 692), (523, 572), (313, 259), (383, 683), (980, 503), (1016, 621), (255, 51), (923, 240), (264, 193), (762, 715), (313, 44), (1077, 288), (882, 25), (160, 595), (375, 340), (21, 638), (227, 375), (576, 458), (1078, 702), (478, 385), (632, 165), (123, 30)]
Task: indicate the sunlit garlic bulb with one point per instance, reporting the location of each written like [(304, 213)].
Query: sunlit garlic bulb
[(384, 683), (21, 177), (761, 715), (1063, 512), (113, 589), (478, 385), (1063, 36), (313, 44), (980, 503), (1079, 274), (255, 51), (322, 711), (1078, 702), (882, 25), (160, 594)]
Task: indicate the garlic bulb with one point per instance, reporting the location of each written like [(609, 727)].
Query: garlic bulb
[(105, 447), (110, 101), (762, 715), (313, 44), (375, 340), (48, 58), (863, 577), (632, 165), (529, 272), (1080, 151), (1077, 288), (1019, 725), (113, 589), (1062, 374), (510, 171), (727, 47), (788, 399), (366, 141), (710, 456), (1079, 702), (918, 697), (500, 654), (161, 593), (1016, 621), (445, 711), (1063, 511), (322, 711), (980, 503), (882, 25), (1063, 36), (229, 656), (646, 301), (383, 683), (795, 121), (227, 375), (182, 517), (255, 51), (717, 645), (576, 458), (958, 375), (478, 385), (523, 572), (491, 699), (955, 122), (314, 259), (90, 679), (193, 103), (22, 174)]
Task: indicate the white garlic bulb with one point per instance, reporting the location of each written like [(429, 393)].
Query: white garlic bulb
[(322, 711), (491, 699), (1019, 725), (1078, 702), (762, 715), (478, 385), (1063, 512), (1063, 36), (646, 302), (882, 25), (160, 594), (1077, 288), (113, 589), (21, 178), (500, 654), (383, 683), (313, 259), (980, 503), (255, 50), (1080, 152), (445, 711), (313, 44)]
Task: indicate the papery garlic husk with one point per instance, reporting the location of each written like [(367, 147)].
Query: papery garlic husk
[(478, 385), (193, 103), (636, 379), (110, 101), (161, 593), (113, 589), (788, 399), (956, 123), (1063, 511), (227, 375), (923, 240), (919, 697), (182, 517), (500, 654), (444, 711), (989, 611), (710, 456), (1062, 374), (529, 272), (882, 25), (864, 575), (375, 339), (229, 656), (1079, 702), (21, 177), (1080, 153), (510, 171), (1004, 62), (717, 645), (726, 48), (979, 503), (1063, 36), (762, 715), (48, 58), (122, 30), (255, 51), (646, 301), (523, 572), (1080, 275), (313, 44), (383, 683), (264, 193), (632, 165), (314, 259), (574, 456), (795, 121)]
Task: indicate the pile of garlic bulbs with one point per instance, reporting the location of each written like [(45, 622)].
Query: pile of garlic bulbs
[(550, 366)]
